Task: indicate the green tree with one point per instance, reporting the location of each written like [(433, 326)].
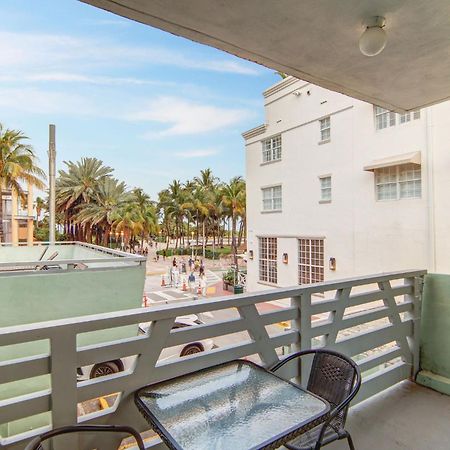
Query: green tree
[(233, 196), (17, 165), (76, 185), (105, 207), (41, 204)]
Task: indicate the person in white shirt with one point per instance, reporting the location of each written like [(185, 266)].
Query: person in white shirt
[(202, 285)]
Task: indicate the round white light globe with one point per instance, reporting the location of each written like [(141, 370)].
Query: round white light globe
[(372, 41)]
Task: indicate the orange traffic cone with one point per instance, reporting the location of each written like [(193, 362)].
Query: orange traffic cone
[(163, 280), (184, 288), (199, 291)]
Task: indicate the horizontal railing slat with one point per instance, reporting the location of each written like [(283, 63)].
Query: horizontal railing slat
[(358, 318), (379, 358), (320, 307), (383, 379), (362, 342), (27, 367), (83, 324), (24, 406)]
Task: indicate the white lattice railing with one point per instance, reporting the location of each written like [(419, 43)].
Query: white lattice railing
[(374, 319)]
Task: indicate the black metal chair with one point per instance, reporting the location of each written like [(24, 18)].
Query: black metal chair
[(36, 443), (337, 379)]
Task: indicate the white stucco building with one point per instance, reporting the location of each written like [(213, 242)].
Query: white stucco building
[(337, 187)]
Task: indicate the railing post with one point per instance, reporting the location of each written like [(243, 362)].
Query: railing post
[(63, 356), (302, 326), (416, 299)]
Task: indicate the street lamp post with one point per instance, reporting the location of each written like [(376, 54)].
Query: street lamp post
[(192, 246)]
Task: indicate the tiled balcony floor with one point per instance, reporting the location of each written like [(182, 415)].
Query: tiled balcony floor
[(404, 417)]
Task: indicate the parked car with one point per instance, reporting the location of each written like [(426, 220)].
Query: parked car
[(118, 365)]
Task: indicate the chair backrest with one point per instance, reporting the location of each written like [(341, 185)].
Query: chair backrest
[(332, 377)]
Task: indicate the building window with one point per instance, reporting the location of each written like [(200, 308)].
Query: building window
[(271, 198), (325, 189), (416, 114), (272, 149), (268, 259), (393, 183), (405, 117), (325, 129), (310, 261), (383, 118)]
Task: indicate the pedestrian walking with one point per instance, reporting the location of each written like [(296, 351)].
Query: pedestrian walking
[(176, 276), (174, 262), (183, 266), (202, 285), (191, 263), (202, 268), (164, 254), (191, 281)]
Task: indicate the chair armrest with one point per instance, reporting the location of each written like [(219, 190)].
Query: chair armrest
[(35, 443)]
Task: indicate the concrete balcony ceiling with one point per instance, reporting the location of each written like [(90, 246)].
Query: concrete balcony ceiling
[(317, 41)]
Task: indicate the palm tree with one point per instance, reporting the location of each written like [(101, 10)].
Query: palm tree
[(79, 184), (40, 205), (17, 164), (147, 212), (129, 221), (206, 184), (110, 197), (233, 196)]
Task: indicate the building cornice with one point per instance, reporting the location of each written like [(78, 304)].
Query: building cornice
[(280, 86), (260, 129)]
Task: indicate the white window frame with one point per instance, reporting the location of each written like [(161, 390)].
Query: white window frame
[(404, 118), (325, 129), (325, 188), (400, 177), (311, 260), (268, 255), (273, 201), (383, 118), (272, 149)]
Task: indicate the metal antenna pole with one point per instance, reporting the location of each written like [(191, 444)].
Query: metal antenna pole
[(51, 182)]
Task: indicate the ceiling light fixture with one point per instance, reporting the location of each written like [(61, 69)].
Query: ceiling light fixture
[(374, 38)]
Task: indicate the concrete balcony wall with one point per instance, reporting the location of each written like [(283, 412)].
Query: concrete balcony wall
[(435, 334), (31, 296)]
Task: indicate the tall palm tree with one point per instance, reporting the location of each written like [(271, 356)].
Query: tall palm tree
[(79, 184), (129, 221), (41, 204), (233, 196), (206, 184), (17, 165), (147, 212), (110, 197)]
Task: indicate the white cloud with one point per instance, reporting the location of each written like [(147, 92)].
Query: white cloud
[(188, 154), (185, 117), (56, 53), (71, 77), (36, 101)]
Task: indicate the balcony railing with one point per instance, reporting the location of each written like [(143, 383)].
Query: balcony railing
[(374, 319)]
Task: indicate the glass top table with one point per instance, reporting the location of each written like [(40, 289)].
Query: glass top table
[(236, 405)]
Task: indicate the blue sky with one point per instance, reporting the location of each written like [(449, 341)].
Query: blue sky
[(153, 106)]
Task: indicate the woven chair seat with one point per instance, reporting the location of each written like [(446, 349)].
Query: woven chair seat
[(308, 440)]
